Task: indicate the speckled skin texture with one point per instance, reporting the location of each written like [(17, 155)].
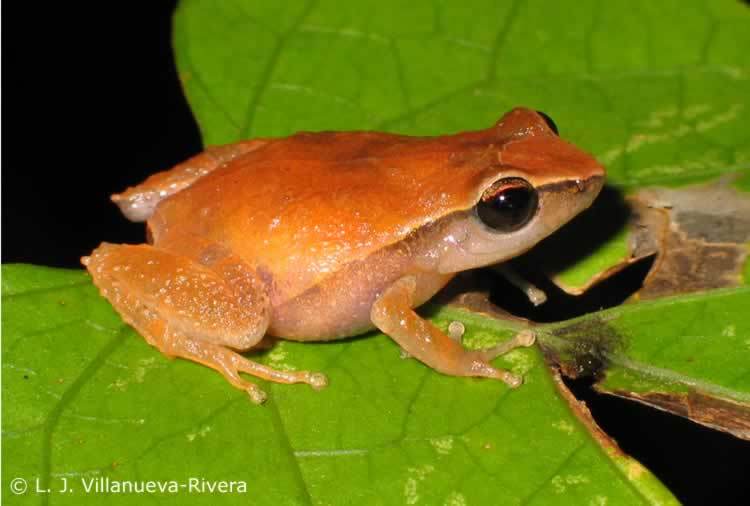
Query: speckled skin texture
[(320, 236)]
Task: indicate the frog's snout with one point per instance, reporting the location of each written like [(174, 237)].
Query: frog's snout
[(592, 184), (587, 191), (590, 187)]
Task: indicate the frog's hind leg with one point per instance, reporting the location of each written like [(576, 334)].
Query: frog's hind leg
[(137, 203), (190, 310)]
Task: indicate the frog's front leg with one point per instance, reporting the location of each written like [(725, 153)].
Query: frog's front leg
[(392, 313), (137, 203), (191, 310)]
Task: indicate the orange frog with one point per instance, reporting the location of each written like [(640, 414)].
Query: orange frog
[(321, 236)]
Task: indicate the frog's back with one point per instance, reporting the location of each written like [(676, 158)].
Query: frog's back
[(301, 208), (304, 206)]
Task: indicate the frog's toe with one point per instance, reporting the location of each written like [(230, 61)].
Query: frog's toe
[(314, 379), (456, 331), (512, 380), (523, 339), (317, 380), (479, 366), (257, 395)]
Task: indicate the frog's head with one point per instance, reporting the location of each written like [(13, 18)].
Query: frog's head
[(536, 183)]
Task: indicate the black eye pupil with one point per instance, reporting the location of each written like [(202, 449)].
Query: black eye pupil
[(508, 205), (550, 123)]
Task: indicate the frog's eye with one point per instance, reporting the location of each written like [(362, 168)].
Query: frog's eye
[(508, 204), (550, 123)]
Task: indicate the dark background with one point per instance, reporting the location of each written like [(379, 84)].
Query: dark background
[(92, 104)]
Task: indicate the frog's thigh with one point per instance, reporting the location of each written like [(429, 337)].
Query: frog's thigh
[(191, 311), (138, 202), (392, 313)]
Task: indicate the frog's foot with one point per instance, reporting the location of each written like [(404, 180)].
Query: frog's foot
[(192, 310), (392, 313), (230, 364), (524, 339)]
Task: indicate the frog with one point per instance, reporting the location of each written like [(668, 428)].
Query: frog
[(327, 235)]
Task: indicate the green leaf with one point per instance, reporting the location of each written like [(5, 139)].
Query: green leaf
[(694, 362), (85, 397), (588, 269)]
